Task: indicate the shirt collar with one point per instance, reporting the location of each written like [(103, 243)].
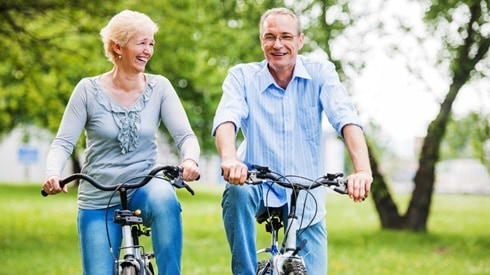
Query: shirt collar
[(266, 79)]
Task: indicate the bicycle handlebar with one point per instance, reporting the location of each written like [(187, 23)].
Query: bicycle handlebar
[(261, 174), (171, 173)]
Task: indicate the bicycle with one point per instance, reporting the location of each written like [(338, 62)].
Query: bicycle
[(286, 259), (134, 259)]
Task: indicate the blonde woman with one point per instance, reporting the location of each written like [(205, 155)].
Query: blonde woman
[(120, 111)]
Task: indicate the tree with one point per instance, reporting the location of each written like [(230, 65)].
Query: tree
[(43, 45), (46, 47), (466, 59)]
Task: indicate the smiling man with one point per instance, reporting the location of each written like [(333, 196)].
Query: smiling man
[(278, 105)]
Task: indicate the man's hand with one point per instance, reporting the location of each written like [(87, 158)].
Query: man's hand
[(359, 186), (234, 171)]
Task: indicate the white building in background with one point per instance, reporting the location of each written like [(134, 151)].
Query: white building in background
[(24, 162), (468, 176)]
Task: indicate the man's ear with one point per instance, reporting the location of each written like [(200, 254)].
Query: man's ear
[(301, 41)]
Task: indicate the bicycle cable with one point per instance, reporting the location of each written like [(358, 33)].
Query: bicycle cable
[(107, 217)]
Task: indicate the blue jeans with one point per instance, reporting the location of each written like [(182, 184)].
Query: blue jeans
[(160, 209), (241, 204)]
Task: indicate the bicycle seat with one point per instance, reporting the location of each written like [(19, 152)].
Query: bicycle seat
[(271, 212)]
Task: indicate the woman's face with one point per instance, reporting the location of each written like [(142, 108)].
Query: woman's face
[(138, 51), (280, 41)]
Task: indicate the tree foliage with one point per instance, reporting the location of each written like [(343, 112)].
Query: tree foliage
[(466, 138), (46, 46), (51, 45)]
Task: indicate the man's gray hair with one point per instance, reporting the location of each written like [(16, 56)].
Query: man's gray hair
[(283, 11)]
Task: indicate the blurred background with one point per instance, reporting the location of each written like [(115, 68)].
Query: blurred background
[(416, 70)]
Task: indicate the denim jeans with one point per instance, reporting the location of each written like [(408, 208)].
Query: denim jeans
[(160, 209), (241, 204)]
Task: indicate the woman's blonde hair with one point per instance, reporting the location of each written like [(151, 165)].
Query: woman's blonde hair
[(122, 27)]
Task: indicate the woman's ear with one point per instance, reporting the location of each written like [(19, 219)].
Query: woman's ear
[(116, 48)]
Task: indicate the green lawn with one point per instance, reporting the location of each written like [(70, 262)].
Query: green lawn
[(38, 236)]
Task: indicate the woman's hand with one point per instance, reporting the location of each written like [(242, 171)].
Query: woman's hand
[(190, 170), (52, 186)]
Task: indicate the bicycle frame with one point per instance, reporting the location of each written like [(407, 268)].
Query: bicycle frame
[(286, 260), (132, 251), (287, 255)]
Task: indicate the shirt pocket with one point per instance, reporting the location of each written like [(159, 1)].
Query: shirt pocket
[(309, 121)]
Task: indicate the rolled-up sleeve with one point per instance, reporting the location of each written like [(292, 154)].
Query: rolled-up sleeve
[(232, 107)]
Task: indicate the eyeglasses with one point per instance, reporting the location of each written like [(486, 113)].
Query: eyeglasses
[(283, 38)]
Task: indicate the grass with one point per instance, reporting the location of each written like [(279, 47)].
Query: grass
[(38, 236)]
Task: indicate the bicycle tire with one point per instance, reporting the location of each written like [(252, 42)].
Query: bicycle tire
[(129, 270), (264, 268), (294, 266)]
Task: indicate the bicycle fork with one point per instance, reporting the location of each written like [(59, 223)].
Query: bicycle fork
[(285, 260)]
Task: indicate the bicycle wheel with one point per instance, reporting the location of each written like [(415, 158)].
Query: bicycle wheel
[(129, 270), (264, 268), (294, 266)]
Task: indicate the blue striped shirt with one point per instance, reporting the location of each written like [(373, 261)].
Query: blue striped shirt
[(283, 127)]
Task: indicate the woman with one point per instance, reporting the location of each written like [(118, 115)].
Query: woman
[(120, 111)]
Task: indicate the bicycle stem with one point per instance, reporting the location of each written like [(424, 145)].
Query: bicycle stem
[(124, 198)]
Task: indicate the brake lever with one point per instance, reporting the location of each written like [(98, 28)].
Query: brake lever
[(176, 179), (180, 183)]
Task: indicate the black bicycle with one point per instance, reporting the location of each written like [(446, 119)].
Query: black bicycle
[(134, 259), (285, 259)]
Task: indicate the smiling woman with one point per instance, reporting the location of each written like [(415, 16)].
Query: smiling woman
[(121, 111)]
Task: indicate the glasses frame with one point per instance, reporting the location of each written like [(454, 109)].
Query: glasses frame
[(283, 38)]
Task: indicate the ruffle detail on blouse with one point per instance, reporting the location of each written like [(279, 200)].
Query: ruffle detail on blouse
[(128, 119)]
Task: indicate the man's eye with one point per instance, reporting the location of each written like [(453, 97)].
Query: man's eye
[(287, 37)]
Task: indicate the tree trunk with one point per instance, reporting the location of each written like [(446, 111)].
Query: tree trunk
[(385, 206), (418, 209)]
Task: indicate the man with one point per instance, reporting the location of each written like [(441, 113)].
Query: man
[(277, 104)]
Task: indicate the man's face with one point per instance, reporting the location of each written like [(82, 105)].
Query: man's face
[(280, 42)]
